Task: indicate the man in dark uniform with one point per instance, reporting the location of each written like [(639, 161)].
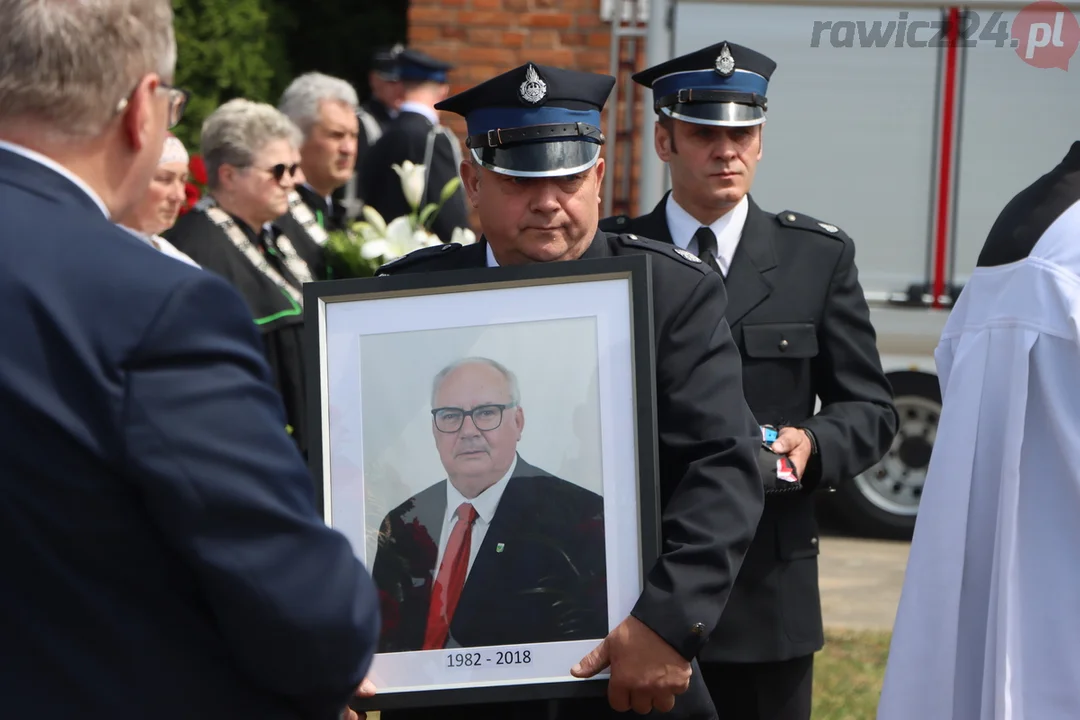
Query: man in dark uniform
[(802, 325), (534, 173), (417, 136), (378, 111)]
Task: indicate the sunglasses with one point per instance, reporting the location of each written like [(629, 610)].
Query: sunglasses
[(279, 170)]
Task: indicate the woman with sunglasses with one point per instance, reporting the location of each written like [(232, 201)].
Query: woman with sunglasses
[(252, 156)]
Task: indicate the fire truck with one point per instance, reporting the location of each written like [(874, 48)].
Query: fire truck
[(907, 124)]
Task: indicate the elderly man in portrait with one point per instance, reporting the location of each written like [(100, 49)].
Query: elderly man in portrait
[(325, 109), (499, 553)]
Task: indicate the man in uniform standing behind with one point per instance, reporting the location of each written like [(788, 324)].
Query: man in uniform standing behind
[(534, 175), (802, 325), (416, 135)]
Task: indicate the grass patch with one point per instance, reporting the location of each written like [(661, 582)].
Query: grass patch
[(848, 674)]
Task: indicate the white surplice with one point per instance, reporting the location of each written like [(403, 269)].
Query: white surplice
[(988, 626)]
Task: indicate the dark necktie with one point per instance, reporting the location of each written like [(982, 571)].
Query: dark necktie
[(706, 245), (451, 579)]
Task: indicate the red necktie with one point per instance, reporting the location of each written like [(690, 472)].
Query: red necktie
[(451, 579)]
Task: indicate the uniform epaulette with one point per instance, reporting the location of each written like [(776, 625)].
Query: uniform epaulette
[(677, 253), (615, 223), (415, 257), (792, 219)]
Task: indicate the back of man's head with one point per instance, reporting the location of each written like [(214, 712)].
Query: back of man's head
[(66, 66)]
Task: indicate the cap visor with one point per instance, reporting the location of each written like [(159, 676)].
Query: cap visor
[(726, 114), (539, 159)]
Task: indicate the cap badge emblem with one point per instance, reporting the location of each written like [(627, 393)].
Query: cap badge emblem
[(533, 90), (725, 64), (830, 228), (688, 255)]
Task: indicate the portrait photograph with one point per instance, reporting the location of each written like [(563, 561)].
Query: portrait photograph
[(480, 450)]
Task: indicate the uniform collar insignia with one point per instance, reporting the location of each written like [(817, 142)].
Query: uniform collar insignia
[(688, 255)]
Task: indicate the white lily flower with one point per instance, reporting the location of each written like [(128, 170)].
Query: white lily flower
[(412, 182), (374, 219), (463, 236)]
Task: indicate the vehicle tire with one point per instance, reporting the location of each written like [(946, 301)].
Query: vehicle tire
[(883, 501)]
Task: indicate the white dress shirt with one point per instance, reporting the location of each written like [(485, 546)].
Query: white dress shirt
[(728, 229), (485, 504), (57, 168), (421, 109)]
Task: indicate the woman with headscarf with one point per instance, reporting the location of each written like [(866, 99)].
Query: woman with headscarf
[(159, 207)]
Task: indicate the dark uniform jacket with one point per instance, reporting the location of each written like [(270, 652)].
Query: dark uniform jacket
[(381, 114), (279, 317), (710, 487), (538, 577), (330, 218), (802, 325), (380, 186), (161, 550)]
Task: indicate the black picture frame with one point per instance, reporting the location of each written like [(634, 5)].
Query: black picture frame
[(635, 271)]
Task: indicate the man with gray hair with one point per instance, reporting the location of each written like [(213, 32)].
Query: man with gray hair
[(500, 552), (162, 553), (325, 109)]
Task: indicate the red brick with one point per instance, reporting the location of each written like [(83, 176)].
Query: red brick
[(592, 60), (513, 39), (487, 4), (493, 19), (571, 39), (423, 34), (484, 36), (547, 20), (490, 56), (431, 16), (599, 39), (559, 57), (452, 32), (550, 4), (588, 20), (516, 5), (542, 38)]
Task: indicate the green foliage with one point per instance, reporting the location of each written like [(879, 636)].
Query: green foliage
[(226, 49)]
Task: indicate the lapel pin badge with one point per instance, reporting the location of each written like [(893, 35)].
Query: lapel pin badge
[(499, 547)]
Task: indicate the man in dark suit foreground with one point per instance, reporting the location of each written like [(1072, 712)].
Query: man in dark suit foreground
[(802, 325), (534, 174), (529, 566), (162, 556)]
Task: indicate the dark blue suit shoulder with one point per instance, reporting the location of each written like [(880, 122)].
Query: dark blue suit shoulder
[(418, 259), (789, 219)]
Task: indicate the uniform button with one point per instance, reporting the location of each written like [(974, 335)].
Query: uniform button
[(698, 629), (783, 344), (813, 541), (791, 217)]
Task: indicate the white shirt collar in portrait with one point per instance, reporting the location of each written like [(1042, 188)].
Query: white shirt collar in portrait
[(728, 229), (57, 168), (485, 504), (491, 261)]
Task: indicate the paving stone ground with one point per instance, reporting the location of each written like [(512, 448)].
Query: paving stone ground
[(860, 581)]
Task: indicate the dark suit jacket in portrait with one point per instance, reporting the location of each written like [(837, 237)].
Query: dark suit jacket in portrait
[(538, 577), (160, 548), (406, 139), (802, 325)]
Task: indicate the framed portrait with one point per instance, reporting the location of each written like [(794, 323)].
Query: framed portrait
[(486, 439)]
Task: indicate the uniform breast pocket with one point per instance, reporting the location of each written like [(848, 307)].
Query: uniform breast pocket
[(776, 368)]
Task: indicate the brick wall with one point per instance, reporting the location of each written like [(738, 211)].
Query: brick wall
[(483, 38)]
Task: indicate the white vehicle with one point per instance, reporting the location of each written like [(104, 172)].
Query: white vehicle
[(909, 125)]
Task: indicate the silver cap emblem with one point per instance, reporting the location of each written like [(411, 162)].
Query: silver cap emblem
[(688, 255), (725, 64), (533, 90)]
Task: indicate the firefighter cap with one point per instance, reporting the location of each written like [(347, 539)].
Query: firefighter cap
[(534, 120), (723, 84)]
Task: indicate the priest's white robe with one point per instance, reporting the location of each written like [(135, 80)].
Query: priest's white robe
[(988, 626)]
